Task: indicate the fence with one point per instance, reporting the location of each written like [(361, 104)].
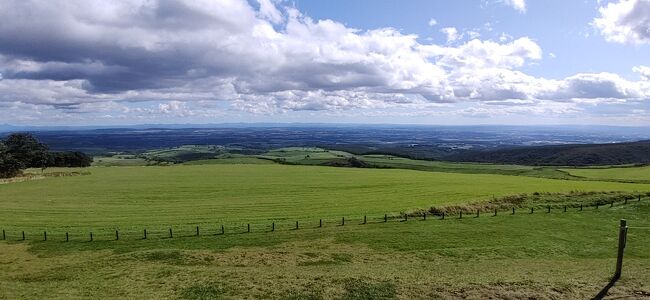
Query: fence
[(170, 233)]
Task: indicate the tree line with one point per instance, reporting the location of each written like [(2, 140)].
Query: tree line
[(19, 151)]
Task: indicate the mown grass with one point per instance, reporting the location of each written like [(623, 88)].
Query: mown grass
[(135, 198), (641, 174), (535, 256)]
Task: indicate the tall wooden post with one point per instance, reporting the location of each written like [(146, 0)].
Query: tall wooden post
[(622, 239)]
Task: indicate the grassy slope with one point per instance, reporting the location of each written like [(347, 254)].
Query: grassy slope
[(540, 256), (627, 173), (318, 156), (132, 198)]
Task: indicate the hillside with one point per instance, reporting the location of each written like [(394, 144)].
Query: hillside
[(563, 155)]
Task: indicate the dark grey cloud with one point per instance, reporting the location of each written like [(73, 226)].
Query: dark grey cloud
[(112, 56)]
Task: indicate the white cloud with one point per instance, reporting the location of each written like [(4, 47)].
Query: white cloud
[(626, 21), (451, 33), (471, 34), (111, 57), (269, 12), (519, 5), (432, 22), (644, 72)]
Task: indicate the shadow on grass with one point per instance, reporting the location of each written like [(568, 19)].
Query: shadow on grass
[(605, 289)]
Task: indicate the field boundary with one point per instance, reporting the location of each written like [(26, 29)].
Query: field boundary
[(258, 227)]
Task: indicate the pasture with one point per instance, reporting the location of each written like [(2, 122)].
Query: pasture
[(157, 197), (641, 174), (543, 256), (556, 255)]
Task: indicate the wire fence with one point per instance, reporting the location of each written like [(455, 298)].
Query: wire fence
[(268, 227)]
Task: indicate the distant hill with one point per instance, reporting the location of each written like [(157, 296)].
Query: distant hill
[(562, 155)]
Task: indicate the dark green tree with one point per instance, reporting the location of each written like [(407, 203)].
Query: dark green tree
[(9, 166), (29, 152)]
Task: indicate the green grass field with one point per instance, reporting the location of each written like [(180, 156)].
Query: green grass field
[(540, 256), (157, 197), (557, 255), (626, 173)]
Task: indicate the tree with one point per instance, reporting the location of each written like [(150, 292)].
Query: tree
[(9, 166), (69, 160), (27, 150)]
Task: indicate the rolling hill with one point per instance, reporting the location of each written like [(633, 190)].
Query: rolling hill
[(563, 155)]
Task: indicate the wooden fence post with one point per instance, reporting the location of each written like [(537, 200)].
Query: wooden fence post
[(461, 215), (596, 205), (424, 216), (385, 218), (117, 235), (223, 230), (365, 220), (171, 234), (443, 215), (639, 197), (565, 208), (197, 230), (478, 213), (342, 221), (513, 210), (495, 212), (273, 226), (44, 235), (532, 210), (145, 233), (249, 227), (406, 217), (296, 225), (549, 209), (91, 236), (23, 235), (320, 223), (66, 237), (622, 239), (580, 206), (4, 236)]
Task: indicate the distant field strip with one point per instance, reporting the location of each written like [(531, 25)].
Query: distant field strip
[(627, 173), (158, 197)]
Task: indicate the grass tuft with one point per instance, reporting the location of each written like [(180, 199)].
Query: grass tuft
[(360, 289), (203, 292)]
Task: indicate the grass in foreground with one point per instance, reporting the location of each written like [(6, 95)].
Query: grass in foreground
[(543, 256), (134, 198)]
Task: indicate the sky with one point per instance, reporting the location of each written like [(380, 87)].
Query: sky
[(464, 62)]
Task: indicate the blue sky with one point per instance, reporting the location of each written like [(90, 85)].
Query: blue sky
[(561, 27), (518, 62)]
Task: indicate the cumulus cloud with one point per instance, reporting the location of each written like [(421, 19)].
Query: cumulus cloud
[(519, 5), (451, 33), (432, 22), (112, 56), (644, 72), (625, 21)]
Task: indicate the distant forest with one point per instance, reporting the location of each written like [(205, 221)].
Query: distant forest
[(20, 151), (563, 155)]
